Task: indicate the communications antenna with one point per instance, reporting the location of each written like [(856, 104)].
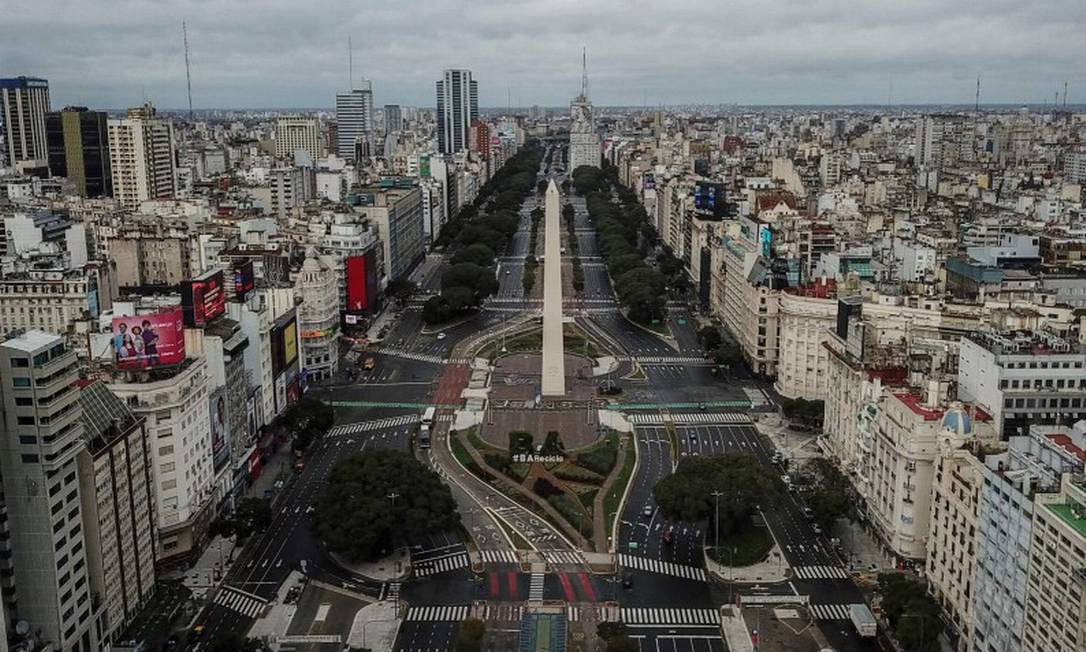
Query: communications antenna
[(188, 73), (976, 107), (350, 65), (584, 73)]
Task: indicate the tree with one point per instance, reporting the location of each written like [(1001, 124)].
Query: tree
[(727, 355), (233, 642), (436, 310), (252, 515), (710, 337), (459, 298), (913, 614), (688, 493), (401, 288), (469, 638), (307, 419), (478, 254), (378, 500)]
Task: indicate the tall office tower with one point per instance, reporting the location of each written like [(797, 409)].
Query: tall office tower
[(584, 142), (354, 121), (939, 140), (78, 141), (457, 108), (45, 566), (293, 133), (141, 156), (24, 102), (393, 118)]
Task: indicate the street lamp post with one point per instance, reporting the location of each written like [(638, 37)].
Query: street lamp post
[(716, 521)]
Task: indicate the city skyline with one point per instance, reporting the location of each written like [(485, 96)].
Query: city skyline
[(523, 55)]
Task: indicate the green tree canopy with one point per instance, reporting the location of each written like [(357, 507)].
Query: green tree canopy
[(688, 493), (305, 420), (379, 499), (477, 254)]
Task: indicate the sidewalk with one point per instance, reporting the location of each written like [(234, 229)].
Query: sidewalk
[(393, 568), (797, 446), (774, 569), (375, 627)]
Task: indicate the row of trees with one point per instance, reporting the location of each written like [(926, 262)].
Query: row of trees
[(478, 238), (527, 279), (378, 500), (306, 420), (913, 615), (621, 228), (688, 493), (570, 216), (724, 354), (826, 491), (804, 412)]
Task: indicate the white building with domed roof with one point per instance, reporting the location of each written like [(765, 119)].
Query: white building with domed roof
[(318, 317)]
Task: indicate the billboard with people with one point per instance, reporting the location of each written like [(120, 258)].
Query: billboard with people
[(148, 341)]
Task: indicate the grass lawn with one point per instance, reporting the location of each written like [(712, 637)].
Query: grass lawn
[(460, 452), (480, 445), (611, 500), (751, 545), (519, 542)]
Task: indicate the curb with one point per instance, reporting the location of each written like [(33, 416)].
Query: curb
[(625, 494)]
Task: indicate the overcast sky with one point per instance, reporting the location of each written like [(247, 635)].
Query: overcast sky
[(293, 53)]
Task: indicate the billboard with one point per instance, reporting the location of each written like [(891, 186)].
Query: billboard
[(284, 344), (648, 181), (148, 341), (243, 278), (709, 199), (362, 283), (203, 298), (220, 453)]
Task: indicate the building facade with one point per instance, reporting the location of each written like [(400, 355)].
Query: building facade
[(318, 318), (354, 121), (142, 157), (397, 212), (457, 108), (293, 133), (24, 101), (78, 146)]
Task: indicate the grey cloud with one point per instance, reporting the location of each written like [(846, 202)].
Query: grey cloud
[(279, 53)]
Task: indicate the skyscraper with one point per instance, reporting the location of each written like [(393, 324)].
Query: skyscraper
[(24, 101), (354, 121), (457, 108), (141, 157), (78, 142), (44, 561), (393, 118), (584, 142)]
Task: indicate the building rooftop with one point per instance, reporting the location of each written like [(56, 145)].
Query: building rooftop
[(1072, 515), (32, 340)]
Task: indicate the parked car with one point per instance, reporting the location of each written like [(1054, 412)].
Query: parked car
[(648, 511)]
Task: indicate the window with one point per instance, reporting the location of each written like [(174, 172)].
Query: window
[(30, 459), (19, 363), (18, 381)]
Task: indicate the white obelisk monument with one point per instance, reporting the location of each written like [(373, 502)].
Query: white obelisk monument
[(554, 360)]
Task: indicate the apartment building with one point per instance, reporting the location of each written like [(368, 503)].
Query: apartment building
[(318, 317), (44, 567), (397, 213), (142, 157), (294, 133), (806, 317)]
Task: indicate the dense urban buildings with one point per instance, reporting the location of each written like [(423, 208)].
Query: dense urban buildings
[(24, 102)]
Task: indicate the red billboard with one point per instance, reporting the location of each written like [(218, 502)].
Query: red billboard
[(203, 298), (147, 341), (358, 299)]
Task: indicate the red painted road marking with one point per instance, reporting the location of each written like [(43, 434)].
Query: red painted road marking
[(567, 588), (511, 578), (589, 590), (495, 585)]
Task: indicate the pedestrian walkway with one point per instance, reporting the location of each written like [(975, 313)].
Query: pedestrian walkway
[(535, 589), (453, 613), (573, 614), (829, 611), (441, 564), (376, 424), (498, 556), (505, 612), (820, 572), (651, 617), (563, 557), (390, 591), (668, 359), (243, 602), (700, 418), (662, 567)]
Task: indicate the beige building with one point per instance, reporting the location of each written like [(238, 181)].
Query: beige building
[(397, 212), (806, 318), (116, 486), (142, 157), (749, 310), (54, 301), (1056, 600), (151, 260), (318, 317), (293, 133)]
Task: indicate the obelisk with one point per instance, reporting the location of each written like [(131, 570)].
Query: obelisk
[(554, 361)]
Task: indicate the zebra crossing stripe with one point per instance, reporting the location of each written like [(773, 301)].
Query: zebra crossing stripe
[(441, 565), (243, 603), (658, 617), (377, 424), (498, 556), (438, 614), (829, 611), (710, 417), (562, 557), (573, 614), (535, 589), (662, 567), (820, 572)]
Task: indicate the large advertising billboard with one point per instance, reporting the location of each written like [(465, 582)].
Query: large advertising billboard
[(243, 279), (709, 199), (148, 341), (220, 452), (203, 298), (284, 345), (357, 296)]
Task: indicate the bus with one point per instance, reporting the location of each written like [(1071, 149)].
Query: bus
[(428, 417)]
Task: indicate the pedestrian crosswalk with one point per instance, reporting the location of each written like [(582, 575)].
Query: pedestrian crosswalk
[(701, 418), (498, 556), (243, 602), (648, 617), (454, 613), (563, 557), (441, 564), (409, 355), (376, 424), (670, 359), (662, 567), (506, 612), (829, 611), (573, 614), (535, 588), (820, 572), (390, 591)]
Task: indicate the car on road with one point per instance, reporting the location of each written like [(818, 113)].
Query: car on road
[(441, 336), (648, 511)]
